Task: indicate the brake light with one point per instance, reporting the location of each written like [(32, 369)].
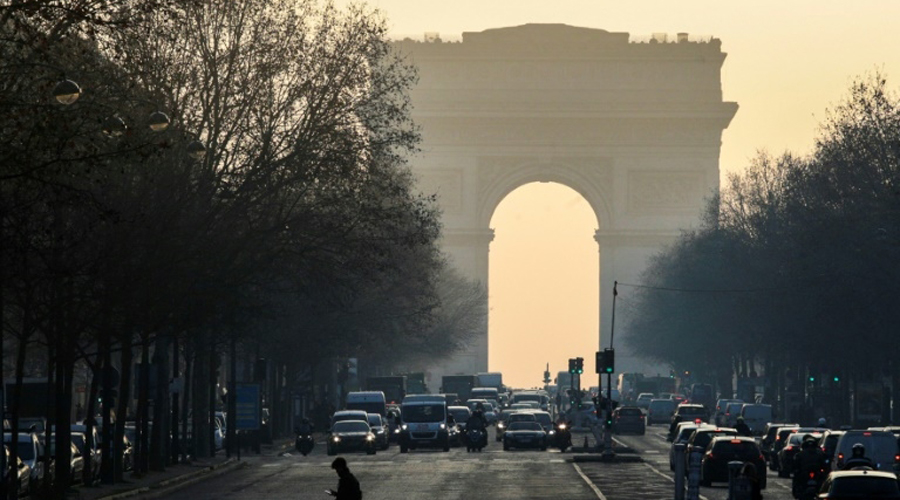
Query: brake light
[(840, 456), (778, 438), (812, 475), (896, 458), (711, 456), (867, 433), (735, 441), (697, 420), (788, 448)]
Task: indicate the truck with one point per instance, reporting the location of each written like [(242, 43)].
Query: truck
[(393, 387), (460, 384), (415, 383), (490, 379)]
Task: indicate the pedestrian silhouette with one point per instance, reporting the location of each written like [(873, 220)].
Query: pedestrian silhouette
[(348, 486)]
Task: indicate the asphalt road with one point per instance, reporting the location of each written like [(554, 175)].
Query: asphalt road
[(493, 473)]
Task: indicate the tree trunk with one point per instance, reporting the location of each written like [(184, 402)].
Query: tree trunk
[(122, 409), (187, 427), (200, 403), (158, 450), (176, 437), (90, 409), (142, 463)]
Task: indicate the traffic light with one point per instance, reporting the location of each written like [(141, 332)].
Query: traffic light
[(571, 365), (812, 378), (671, 373), (579, 365), (606, 361), (836, 379)]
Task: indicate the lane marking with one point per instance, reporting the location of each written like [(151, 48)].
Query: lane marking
[(670, 478), (589, 482)]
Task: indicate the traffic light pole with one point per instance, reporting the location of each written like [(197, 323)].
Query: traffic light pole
[(607, 436)]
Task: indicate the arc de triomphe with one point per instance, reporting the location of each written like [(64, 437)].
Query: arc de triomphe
[(634, 127)]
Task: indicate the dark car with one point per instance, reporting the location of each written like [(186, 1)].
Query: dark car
[(523, 434), (828, 442), (351, 435), (857, 484), (768, 436), (724, 449), (382, 437), (702, 436), (629, 419), (790, 449), (21, 471), (781, 440)]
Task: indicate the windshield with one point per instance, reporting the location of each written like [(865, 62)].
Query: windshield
[(519, 398), (525, 426), (422, 413), (864, 487), (375, 420), (544, 419), (702, 439), (460, 415), (350, 426), (26, 451), (366, 406)]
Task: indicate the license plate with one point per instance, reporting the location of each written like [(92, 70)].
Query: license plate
[(422, 427)]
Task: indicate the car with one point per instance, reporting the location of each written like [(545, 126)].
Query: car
[(89, 453), (76, 462), (828, 443), (461, 415), (702, 436), (628, 419), (21, 471), (721, 406), (881, 449), (781, 439), (723, 449), (790, 449), (856, 484), (382, 436), (30, 450), (682, 435), (770, 432), (660, 411), (524, 434), (351, 435), (643, 399), (678, 398), (544, 418), (732, 414), (339, 416), (518, 416), (692, 412)]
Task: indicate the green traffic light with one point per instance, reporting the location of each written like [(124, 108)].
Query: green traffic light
[(837, 379), (812, 379)]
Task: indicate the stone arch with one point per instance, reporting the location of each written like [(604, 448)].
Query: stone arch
[(587, 183)]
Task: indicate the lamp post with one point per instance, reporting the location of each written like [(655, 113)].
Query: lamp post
[(607, 435)]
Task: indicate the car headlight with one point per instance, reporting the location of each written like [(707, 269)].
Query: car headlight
[(501, 425), (336, 439), (404, 427), (397, 430), (552, 432), (562, 427), (380, 431), (443, 426), (370, 437)]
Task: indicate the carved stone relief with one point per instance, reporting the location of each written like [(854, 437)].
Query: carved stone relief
[(655, 192)]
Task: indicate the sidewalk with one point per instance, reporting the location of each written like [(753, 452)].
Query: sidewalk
[(176, 476)]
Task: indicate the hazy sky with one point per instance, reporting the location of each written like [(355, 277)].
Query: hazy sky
[(788, 61)]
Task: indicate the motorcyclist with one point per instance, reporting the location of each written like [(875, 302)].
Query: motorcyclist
[(822, 423), (810, 460), (858, 458), (742, 427), (477, 422), (305, 428)]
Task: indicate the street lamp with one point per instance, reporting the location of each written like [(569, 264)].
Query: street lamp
[(66, 92), (159, 121), (114, 126), (196, 150)]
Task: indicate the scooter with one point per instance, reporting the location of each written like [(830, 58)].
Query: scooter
[(810, 489), (304, 443), (476, 439)]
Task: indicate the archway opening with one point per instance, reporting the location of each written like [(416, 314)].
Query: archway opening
[(543, 284)]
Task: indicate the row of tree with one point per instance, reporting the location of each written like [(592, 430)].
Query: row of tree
[(793, 271), (274, 217)]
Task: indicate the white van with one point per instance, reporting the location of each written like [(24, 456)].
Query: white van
[(756, 417), (367, 401), (424, 423)]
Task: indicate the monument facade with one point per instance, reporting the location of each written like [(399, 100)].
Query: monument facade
[(634, 126)]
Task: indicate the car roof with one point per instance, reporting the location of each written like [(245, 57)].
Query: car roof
[(850, 473)]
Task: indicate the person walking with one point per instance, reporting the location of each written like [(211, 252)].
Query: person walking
[(348, 486)]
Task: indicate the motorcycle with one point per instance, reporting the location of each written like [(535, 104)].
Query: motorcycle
[(304, 443), (476, 439), (562, 437), (809, 490)]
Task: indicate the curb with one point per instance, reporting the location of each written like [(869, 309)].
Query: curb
[(175, 483)]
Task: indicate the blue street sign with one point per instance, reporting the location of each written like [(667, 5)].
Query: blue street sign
[(248, 411)]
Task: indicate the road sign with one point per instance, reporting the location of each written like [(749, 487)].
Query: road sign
[(248, 410)]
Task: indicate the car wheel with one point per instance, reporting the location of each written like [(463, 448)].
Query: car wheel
[(505, 446), (403, 448), (783, 473), (331, 452), (370, 451)]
